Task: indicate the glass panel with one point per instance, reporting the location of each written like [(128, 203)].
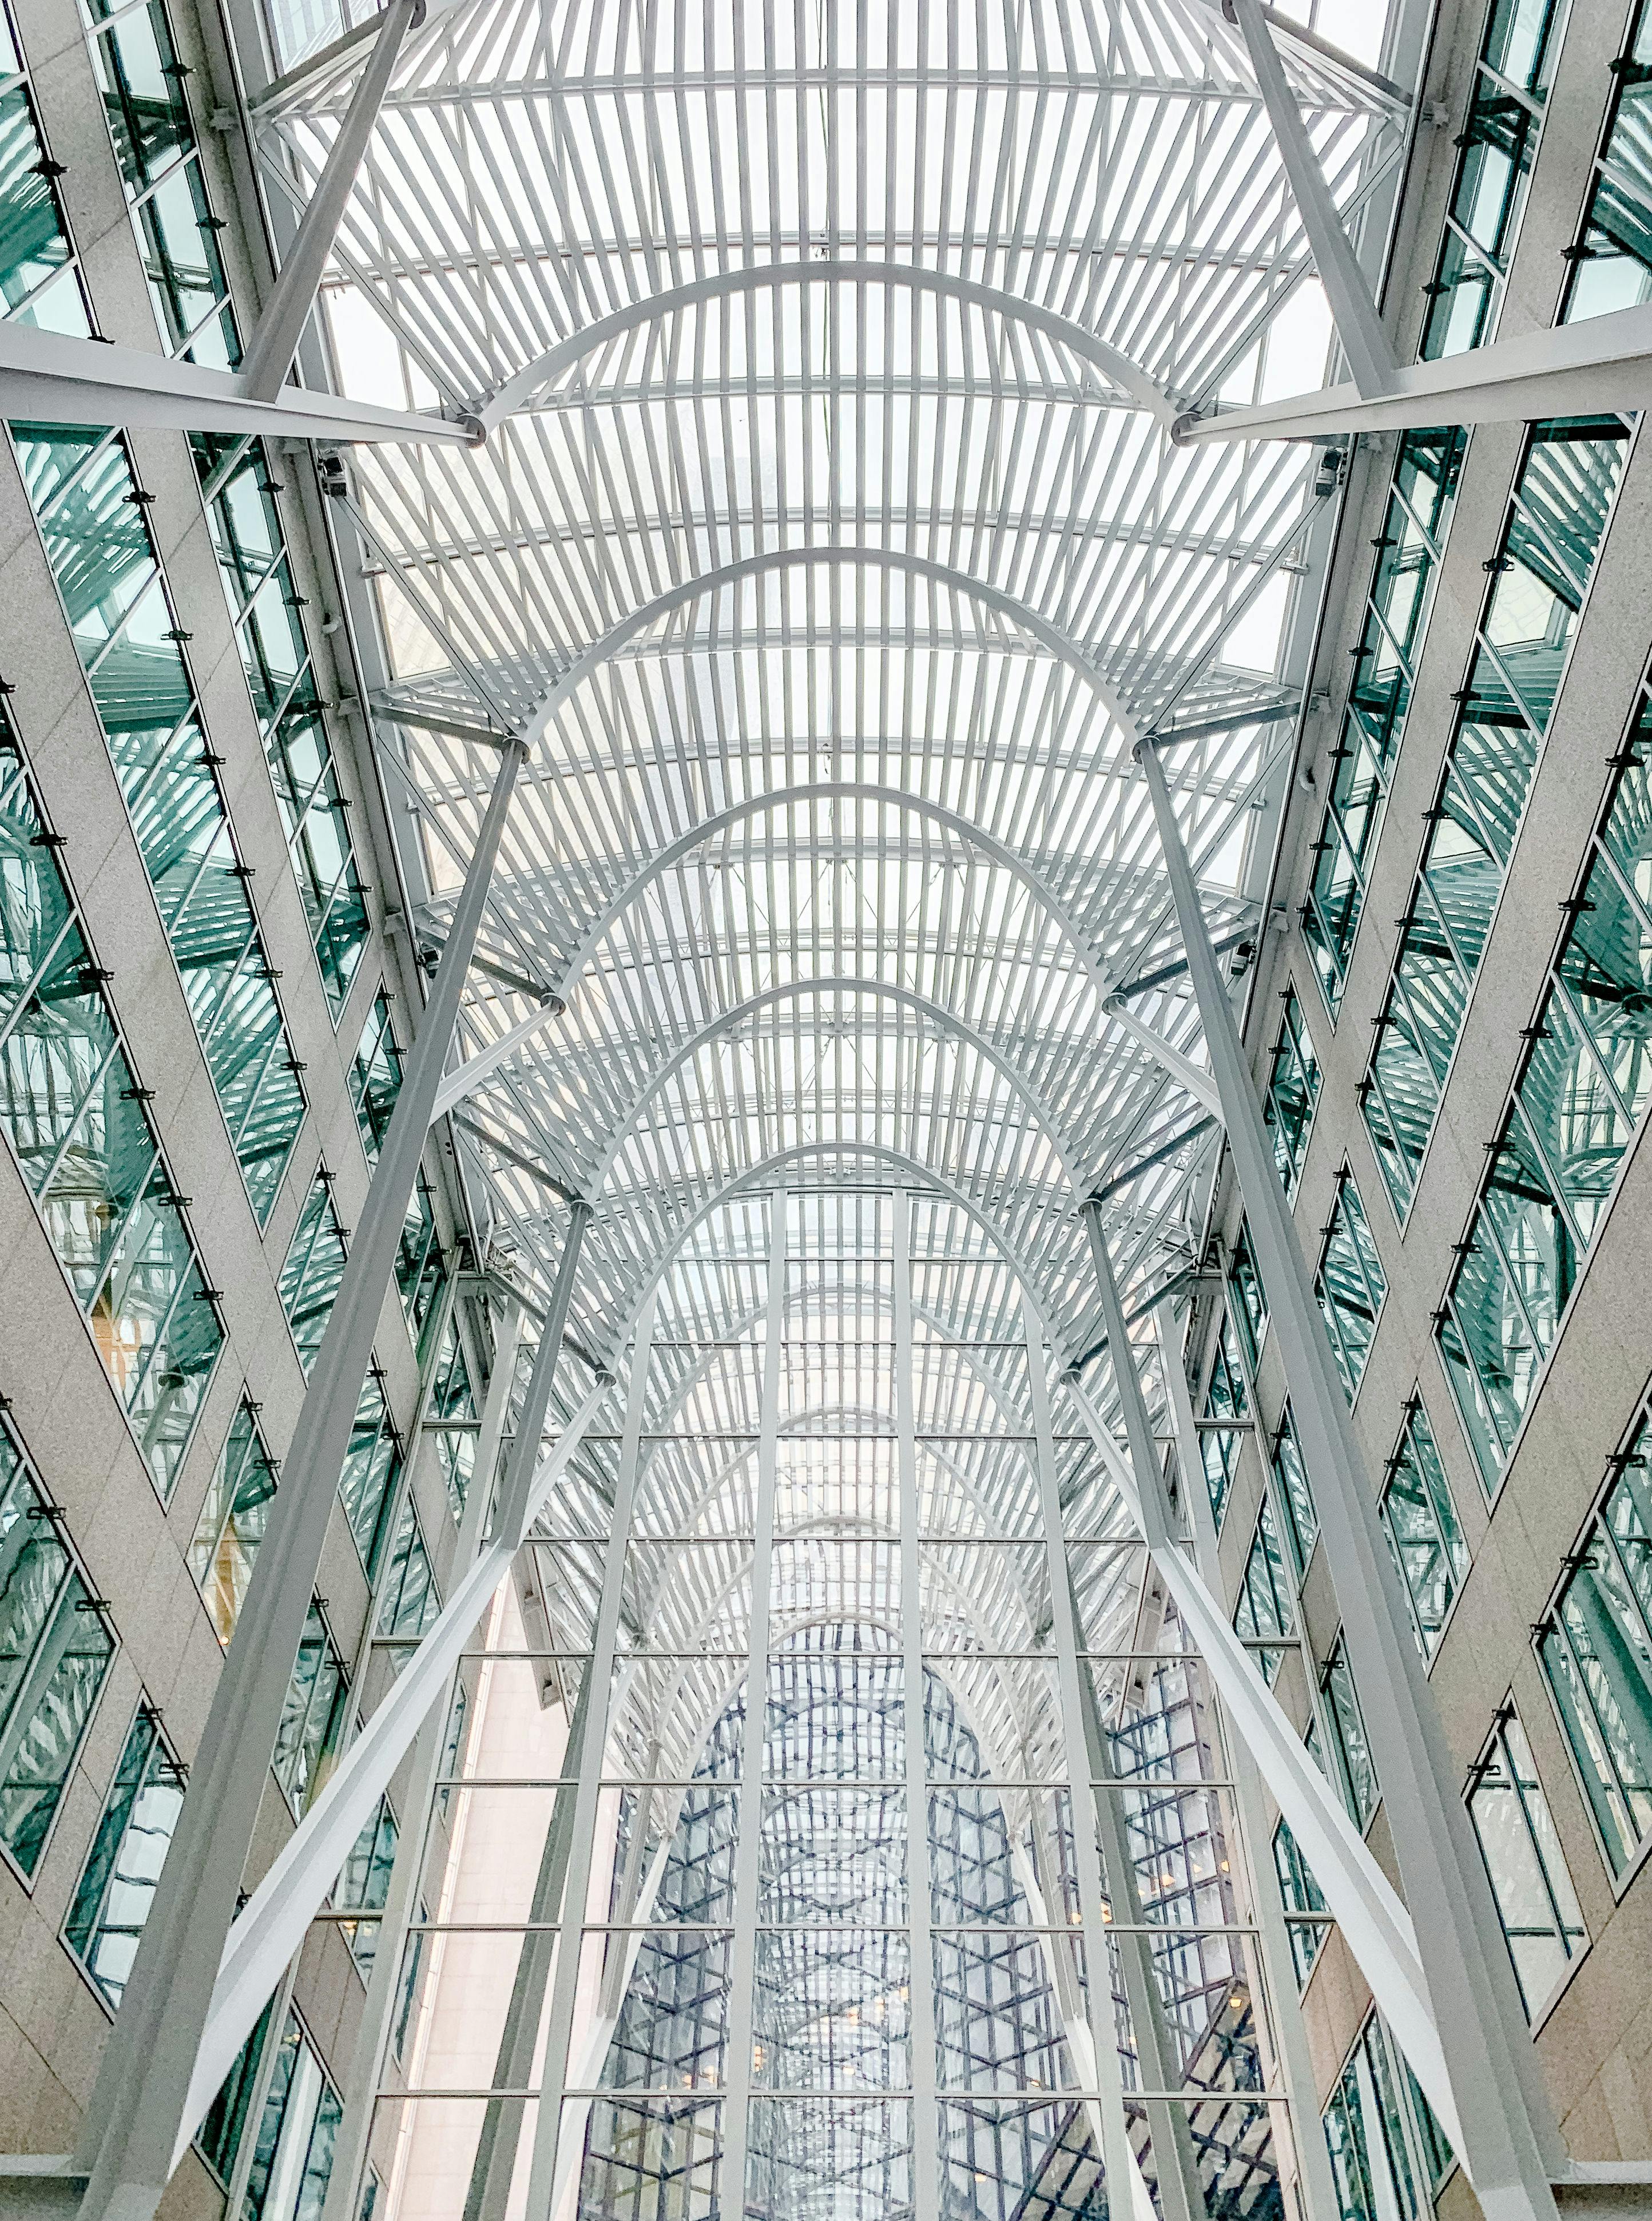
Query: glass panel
[(1420, 507), (371, 1465), (409, 1601), (1556, 520), (292, 2159), (1299, 1520), (1265, 1601), (313, 1269), (117, 1886), (1350, 1751), (1292, 1092), (1388, 2152), (1300, 1894), (312, 1715), (144, 102), (92, 514), (77, 1120), (1245, 1295), (55, 1648), (375, 1077), (233, 1518), (1596, 1650), (1535, 1902), (1613, 261), (1420, 1521), (363, 1885), (1351, 1284)]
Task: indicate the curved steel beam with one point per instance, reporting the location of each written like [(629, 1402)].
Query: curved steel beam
[(458, 1084), (726, 1020), (769, 276)]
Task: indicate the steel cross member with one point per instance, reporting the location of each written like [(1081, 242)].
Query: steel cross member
[(280, 326), (1082, 1736), (74, 381), (1370, 356), (271, 1927), (1586, 369), (1506, 2139), (137, 2114), (1316, 2185), (343, 2201)]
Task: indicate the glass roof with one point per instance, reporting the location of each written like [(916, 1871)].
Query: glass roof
[(828, 536)]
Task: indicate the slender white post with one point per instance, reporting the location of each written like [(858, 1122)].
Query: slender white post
[(378, 2009), (920, 1968), (1370, 357), (137, 2114), (544, 2173), (280, 327), (1180, 2193), (1118, 2158), (743, 1956), (1315, 2186), (1507, 2139)]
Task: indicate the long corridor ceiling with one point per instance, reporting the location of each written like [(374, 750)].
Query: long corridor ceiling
[(829, 535)]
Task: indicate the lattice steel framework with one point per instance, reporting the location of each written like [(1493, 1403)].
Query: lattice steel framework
[(828, 541)]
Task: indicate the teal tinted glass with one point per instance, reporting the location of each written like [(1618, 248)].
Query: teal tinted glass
[(55, 1648), (1420, 504), (117, 1886), (1596, 1650), (1552, 536), (78, 1126)]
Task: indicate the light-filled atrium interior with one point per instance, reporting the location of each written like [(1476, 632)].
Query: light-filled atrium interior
[(825, 1012)]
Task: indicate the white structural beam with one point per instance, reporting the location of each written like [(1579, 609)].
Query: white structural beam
[(64, 380), (280, 326), (281, 1908), (1376, 1926), (1601, 366), (1315, 2184), (344, 2184), (1370, 356), (1507, 2139), (140, 2107), (1118, 2153), (549, 2162), (921, 2031), (748, 1841), (271, 1928)]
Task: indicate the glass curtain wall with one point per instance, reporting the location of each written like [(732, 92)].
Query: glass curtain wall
[(1541, 574), (839, 1947)]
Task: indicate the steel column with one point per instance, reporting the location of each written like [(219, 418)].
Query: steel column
[(1370, 356), (749, 1839), (281, 323), (1316, 2187), (1118, 2153), (373, 2036), (549, 2163), (494, 2166), (920, 1964), (1507, 2139), (138, 2109)]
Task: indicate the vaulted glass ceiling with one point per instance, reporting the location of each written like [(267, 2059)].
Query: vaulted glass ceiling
[(829, 537), (828, 533)]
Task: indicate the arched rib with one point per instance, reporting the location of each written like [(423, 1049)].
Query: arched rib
[(768, 277)]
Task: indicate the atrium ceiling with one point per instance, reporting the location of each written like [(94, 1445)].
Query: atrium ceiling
[(830, 538)]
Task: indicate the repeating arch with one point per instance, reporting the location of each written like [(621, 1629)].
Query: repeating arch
[(1188, 1075), (721, 285)]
